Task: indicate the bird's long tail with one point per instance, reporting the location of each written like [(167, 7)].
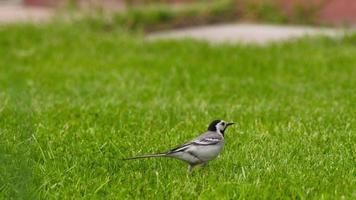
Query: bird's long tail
[(147, 156)]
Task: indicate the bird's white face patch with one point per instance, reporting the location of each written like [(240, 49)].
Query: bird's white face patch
[(221, 126)]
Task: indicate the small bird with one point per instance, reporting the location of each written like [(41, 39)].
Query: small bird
[(200, 150)]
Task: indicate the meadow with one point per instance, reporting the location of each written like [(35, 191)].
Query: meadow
[(76, 99)]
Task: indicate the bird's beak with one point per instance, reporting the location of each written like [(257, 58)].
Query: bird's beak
[(229, 124)]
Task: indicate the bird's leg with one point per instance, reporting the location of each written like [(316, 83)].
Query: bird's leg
[(190, 169)]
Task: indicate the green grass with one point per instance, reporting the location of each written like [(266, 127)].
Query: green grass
[(162, 16), (75, 100)]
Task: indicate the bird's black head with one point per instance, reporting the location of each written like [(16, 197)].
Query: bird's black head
[(212, 125), (219, 125)]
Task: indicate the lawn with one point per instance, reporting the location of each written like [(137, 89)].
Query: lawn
[(75, 99)]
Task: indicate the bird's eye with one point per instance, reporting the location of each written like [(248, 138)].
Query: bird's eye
[(223, 123)]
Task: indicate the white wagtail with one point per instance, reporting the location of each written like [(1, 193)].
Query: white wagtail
[(200, 150)]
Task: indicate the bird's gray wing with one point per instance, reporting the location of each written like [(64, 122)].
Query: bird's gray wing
[(208, 138)]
